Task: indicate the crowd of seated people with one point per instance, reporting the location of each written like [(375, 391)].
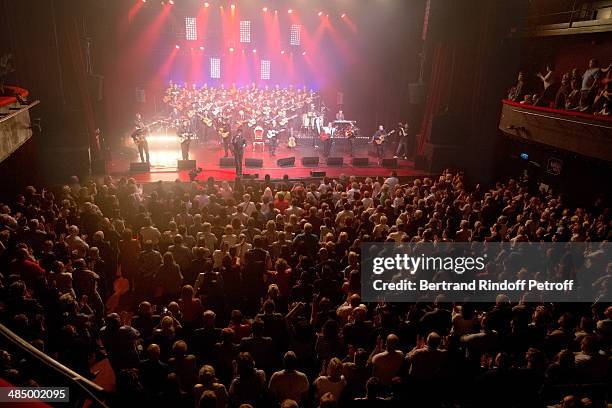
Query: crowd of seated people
[(590, 91), (247, 294)]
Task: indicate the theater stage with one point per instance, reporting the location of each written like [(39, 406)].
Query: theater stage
[(165, 151)]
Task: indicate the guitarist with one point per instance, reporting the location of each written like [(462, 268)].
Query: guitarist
[(378, 139), (139, 136), (225, 133)]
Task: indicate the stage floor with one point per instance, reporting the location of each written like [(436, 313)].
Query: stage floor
[(165, 151)]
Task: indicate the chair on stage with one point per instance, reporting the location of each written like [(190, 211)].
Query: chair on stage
[(258, 140)]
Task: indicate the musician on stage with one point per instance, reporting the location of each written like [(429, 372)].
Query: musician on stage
[(378, 139), (327, 134), (225, 133), (238, 144), (139, 136), (184, 133), (404, 143), (272, 140), (350, 137)]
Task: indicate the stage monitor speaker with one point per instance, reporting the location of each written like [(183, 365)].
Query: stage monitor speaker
[(318, 174), (251, 162), (139, 167), (250, 176), (335, 161), (420, 162), (389, 163), (360, 161), (310, 161), (286, 162), (98, 167), (227, 162), (186, 164)]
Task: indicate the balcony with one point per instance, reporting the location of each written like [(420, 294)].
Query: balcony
[(581, 133), (15, 126)]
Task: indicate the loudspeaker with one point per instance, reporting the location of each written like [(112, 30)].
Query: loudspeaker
[(318, 174), (389, 163), (360, 161), (420, 162), (251, 162), (98, 167), (286, 162), (417, 93), (138, 167), (227, 162), (335, 161), (310, 161), (186, 164)]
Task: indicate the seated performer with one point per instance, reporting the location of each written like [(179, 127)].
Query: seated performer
[(139, 136)]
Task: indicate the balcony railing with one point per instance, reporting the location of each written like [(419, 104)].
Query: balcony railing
[(585, 134)]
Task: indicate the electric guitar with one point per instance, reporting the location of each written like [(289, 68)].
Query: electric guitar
[(381, 139), (138, 134)]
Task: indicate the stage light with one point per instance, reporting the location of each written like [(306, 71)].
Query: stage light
[(171, 2), (215, 68), (295, 34), (303, 52), (264, 9), (343, 15), (265, 70), (254, 51), (177, 46), (290, 11), (201, 48), (231, 49), (245, 31), (233, 6), (191, 28), (144, 1), (282, 52), (207, 4), (320, 13)]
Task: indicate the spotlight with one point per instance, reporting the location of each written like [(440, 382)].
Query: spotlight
[(201, 48), (231, 49), (207, 4), (171, 2), (343, 15), (303, 52), (144, 1), (177, 46), (320, 13), (290, 11), (254, 51), (264, 9), (233, 6), (283, 52)]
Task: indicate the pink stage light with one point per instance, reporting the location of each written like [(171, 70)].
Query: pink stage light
[(254, 51), (264, 9), (206, 4), (201, 48), (320, 13), (171, 2), (283, 52), (231, 49), (290, 11), (343, 15), (177, 46), (303, 52), (144, 1), (233, 6)]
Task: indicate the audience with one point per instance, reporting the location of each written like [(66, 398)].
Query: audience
[(250, 292)]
